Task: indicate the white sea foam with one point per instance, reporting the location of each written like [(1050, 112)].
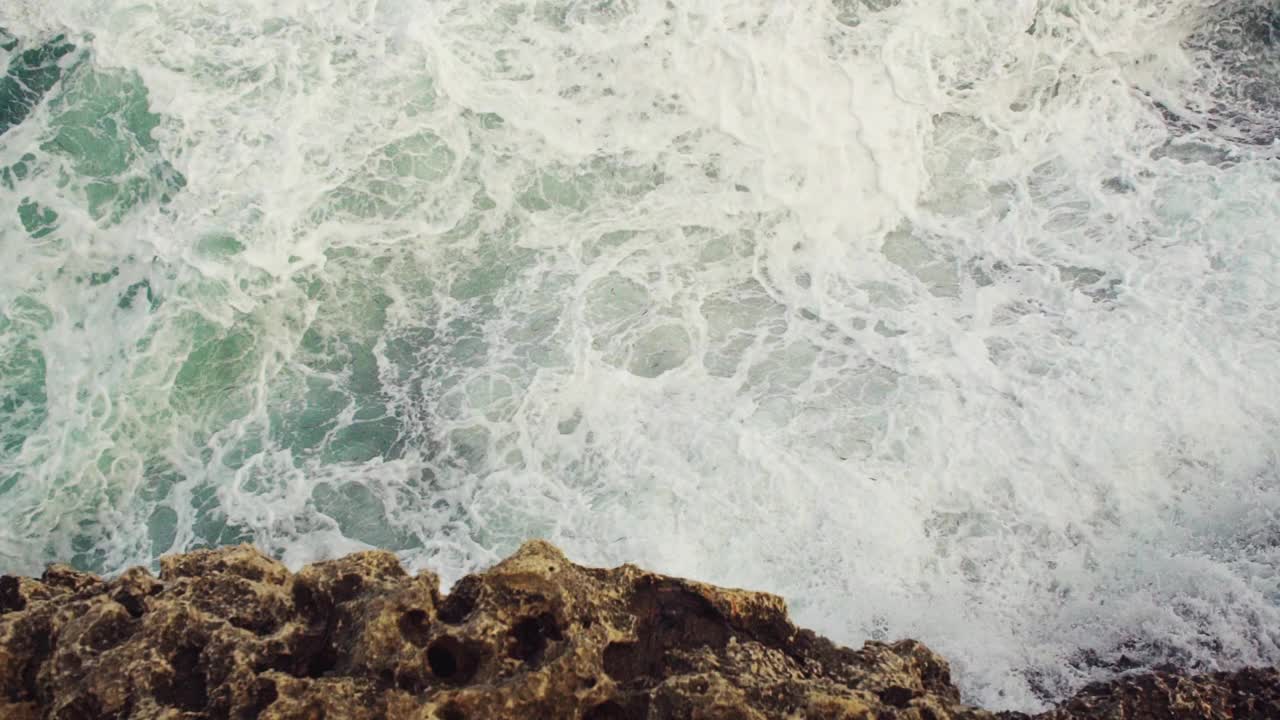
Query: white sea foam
[(917, 313)]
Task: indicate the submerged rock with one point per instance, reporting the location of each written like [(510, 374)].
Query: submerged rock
[(230, 633)]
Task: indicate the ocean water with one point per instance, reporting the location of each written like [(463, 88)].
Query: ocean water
[(949, 319)]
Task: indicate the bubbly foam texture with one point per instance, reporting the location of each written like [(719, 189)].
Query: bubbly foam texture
[(918, 313)]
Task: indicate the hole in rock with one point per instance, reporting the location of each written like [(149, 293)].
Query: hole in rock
[(264, 693), (530, 637), (133, 604), (415, 626), (622, 661), (10, 599), (442, 661), (635, 708), (312, 655), (347, 587), (897, 696), (454, 661)]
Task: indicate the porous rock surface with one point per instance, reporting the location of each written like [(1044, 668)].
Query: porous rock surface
[(230, 633)]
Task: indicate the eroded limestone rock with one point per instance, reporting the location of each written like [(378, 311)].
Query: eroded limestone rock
[(230, 633)]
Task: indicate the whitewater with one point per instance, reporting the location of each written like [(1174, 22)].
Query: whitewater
[(948, 319)]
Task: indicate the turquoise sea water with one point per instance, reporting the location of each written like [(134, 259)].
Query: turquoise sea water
[(945, 319)]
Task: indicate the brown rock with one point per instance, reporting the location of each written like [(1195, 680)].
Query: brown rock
[(1249, 693), (232, 634)]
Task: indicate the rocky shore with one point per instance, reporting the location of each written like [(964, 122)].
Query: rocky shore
[(230, 633)]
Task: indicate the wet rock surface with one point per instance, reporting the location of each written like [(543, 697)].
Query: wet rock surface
[(230, 633)]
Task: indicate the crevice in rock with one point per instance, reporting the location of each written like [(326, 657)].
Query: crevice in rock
[(460, 603), (41, 646), (187, 689)]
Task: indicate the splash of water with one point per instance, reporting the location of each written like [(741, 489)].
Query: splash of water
[(942, 319)]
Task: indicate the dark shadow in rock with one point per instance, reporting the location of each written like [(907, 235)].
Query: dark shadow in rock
[(187, 689), (452, 712), (897, 696), (668, 616), (415, 627), (635, 707), (312, 653), (110, 630), (11, 599), (460, 603), (454, 661), (264, 693), (530, 636)]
